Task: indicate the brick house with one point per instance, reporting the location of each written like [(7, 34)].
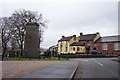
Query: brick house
[(89, 40), (108, 44)]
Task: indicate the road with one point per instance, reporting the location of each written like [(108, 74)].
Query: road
[(97, 68)]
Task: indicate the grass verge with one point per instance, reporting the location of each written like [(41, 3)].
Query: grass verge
[(35, 59), (117, 59)]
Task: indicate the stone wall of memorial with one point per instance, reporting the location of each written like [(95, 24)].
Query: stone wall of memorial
[(32, 40)]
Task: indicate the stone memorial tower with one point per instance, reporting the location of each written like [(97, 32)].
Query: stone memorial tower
[(32, 40)]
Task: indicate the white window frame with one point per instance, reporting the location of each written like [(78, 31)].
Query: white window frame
[(105, 46), (116, 46)]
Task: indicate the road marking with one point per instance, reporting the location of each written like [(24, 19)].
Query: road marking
[(85, 60), (93, 59), (100, 64)]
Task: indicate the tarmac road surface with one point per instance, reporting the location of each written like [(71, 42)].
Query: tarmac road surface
[(97, 68)]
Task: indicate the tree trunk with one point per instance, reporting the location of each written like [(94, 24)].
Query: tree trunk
[(4, 50), (21, 47)]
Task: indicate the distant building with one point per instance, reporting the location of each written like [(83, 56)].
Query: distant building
[(65, 42), (108, 44), (77, 47), (87, 42), (53, 50)]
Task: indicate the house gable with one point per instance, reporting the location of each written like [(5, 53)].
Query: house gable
[(64, 43)]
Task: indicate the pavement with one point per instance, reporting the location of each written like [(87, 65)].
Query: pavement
[(97, 68), (0, 56), (63, 69)]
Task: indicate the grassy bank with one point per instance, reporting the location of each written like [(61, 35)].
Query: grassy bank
[(117, 59), (35, 59)]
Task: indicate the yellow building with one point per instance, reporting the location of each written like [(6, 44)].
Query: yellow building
[(77, 47), (65, 42), (80, 44), (70, 44)]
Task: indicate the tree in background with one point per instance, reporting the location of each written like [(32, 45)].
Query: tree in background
[(6, 32), (21, 18), (14, 26)]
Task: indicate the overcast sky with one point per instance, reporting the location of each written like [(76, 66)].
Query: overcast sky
[(69, 17)]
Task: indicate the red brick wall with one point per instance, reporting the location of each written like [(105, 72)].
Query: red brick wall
[(110, 48), (99, 47), (88, 42)]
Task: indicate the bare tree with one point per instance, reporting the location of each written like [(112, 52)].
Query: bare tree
[(20, 19), (6, 32), (15, 26)]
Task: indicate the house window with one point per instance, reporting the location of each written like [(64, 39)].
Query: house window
[(116, 46), (61, 47), (66, 49), (104, 46), (83, 43), (78, 48), (73, 48)]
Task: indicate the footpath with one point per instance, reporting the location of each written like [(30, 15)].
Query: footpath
[(62, 70)]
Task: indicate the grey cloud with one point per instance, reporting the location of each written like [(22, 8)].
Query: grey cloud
[(69, 17)]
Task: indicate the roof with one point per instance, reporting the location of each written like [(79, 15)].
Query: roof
[(66, 38), (87, 37), (77, 44), (110, 39)]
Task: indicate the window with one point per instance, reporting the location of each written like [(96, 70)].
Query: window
[(116, 46), (66, 49), (83, 43), (61, 47), (73, 48), (105, 46), (78, 49)]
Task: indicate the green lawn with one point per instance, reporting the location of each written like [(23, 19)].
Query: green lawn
[(35, 59), (117, 59)]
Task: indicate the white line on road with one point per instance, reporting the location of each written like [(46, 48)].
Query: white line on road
[(85, 60), (100, 64)]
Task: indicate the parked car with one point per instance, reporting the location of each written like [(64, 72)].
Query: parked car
[(96, 52), (118, 54)]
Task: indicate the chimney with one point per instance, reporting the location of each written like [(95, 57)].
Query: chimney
[(74, 36), (81, 33), (97, 32), (63, 36)]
